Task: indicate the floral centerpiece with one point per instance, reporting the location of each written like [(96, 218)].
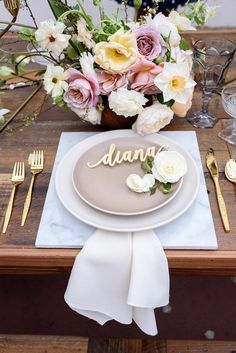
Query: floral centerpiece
[(139, 69)]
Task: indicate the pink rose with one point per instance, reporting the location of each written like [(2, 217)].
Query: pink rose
[(83, 91), (109, 82), (141, 76), (150, 43)]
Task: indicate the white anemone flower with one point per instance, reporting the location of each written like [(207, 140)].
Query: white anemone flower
[(50, 36), (182, 22), (55, 80), (175, 82)]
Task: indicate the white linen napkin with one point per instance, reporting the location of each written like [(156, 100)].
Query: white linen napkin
[(120, 276)]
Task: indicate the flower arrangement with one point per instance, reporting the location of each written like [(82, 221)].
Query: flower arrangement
[(139, 69)]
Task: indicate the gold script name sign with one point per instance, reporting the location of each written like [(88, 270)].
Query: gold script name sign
[(116, 157)]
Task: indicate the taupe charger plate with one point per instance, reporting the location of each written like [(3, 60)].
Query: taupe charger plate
[(101, 220), (104, 187)]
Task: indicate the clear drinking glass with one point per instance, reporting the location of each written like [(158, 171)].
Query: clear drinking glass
[(229, 103), (211, 60)]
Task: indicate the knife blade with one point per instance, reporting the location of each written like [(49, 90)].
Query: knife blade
[(213, 169)]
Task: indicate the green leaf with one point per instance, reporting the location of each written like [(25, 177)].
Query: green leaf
[(147, 164), (71, 52), (27, 34), (2, 83), (184, 45), (58, 7), (40, 73), (160, 99), (165, 188)]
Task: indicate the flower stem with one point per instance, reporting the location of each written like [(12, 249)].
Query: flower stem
[(17, 24), (31, 13)]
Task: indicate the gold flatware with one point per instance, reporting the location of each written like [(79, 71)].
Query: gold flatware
[(230, 170), (213, 169), (18, 176), (36, 161)]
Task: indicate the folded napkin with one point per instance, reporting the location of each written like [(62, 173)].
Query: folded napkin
[(120, 276)]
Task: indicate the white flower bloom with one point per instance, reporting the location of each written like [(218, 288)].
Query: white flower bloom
[(179, 56), (152, 119), (92, 115), (133, 25), (181, 21), (6, 71), (211, 11), (175, 82), (127, 102), (55, 80), (50, 36), (84, 35), (167, 29), (2, 113), (86, 63), (138, 184), (169, 167)]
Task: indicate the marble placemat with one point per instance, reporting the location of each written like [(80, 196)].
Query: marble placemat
[(193, 230)]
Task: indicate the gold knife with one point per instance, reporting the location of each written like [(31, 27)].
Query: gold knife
[(213, 169)]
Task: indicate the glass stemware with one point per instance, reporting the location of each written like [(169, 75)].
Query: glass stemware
[(229, 104), (211, 60)]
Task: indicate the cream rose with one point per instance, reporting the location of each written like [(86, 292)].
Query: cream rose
[(119, 53), (126, 102), (140, 184), (152, 119), (169, 167)]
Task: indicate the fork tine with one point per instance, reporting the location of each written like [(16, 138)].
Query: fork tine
[(20, 167), (23, 169), (42, 157), (17, 168), (14, 169), (33, 158)]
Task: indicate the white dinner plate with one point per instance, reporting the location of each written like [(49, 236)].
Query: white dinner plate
[(105, 181), (81, 210)]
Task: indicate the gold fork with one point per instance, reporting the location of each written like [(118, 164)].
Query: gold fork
[(18, 176), (36, 161)]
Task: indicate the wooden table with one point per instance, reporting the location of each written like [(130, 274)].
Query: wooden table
[(17, 251), (33, 281)]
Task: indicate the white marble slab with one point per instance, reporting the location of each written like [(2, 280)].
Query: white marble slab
[(193, 230)]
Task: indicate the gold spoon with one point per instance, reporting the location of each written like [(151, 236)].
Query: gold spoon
[(230, 170)]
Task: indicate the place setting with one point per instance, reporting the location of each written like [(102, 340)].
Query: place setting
[(127, 189)]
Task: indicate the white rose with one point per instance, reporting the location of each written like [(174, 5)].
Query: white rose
[(169, 167), (138, 184), (167, 29), (181, 21), (153, 119), (126, 102)]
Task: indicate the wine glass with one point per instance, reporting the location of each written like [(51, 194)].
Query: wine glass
[(211, 60), (229, 104)]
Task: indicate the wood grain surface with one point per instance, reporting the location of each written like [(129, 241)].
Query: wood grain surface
[(17, 251), (69, 344)]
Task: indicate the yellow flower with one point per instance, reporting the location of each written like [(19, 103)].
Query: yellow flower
[(119, 53)]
